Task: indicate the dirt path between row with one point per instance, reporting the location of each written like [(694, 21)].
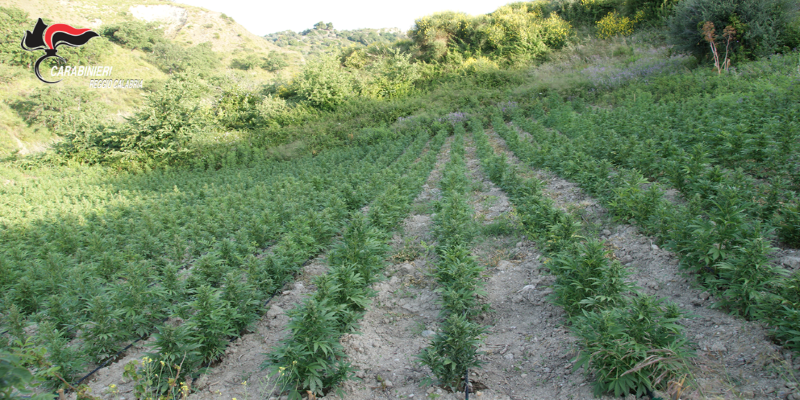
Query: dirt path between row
[(735, 358), (404, 311)]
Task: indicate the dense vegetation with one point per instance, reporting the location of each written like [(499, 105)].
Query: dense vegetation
[(202, 202), (323, 38)]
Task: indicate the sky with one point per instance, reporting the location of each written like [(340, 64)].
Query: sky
[(263, 17)]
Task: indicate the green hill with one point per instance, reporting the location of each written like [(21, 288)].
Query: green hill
[(183, 26)]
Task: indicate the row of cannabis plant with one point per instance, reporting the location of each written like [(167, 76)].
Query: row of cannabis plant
[(714, 232), (629, 342), (311, 358), (454, 348)]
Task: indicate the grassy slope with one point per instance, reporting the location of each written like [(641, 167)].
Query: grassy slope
[(226, 36)]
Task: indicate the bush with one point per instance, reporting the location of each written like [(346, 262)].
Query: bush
[(236, 107), (134, 35), (614, 24), (162, 130), (252, 61), (13, 23), (275, 61), (760, 25), (324, 84), (528, 29), (171, 57), (57, 107), (650, 10)]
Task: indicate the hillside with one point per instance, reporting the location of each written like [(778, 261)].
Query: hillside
[(182, 24)]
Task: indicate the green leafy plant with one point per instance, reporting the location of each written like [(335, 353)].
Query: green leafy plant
[(453, 350), (213, 321), (459, 277), (745, 277), (312, 357), (156, 379), (633, 348), (324, 84), (16, 380), (760, 24), (588, 279)]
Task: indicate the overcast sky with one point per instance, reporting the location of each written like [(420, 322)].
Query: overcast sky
[(262, 17)]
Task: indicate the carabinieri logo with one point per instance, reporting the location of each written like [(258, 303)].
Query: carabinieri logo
[(48, 38)]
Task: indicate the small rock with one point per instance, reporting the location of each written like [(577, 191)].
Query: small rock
[(388, 383), (546, 370), (523, 375), (504, 265), (202, 382), (405, 269), (784, 394), (718, 347), (509, 356), (430, 390), (627, 259), (427, 333), (653, 247), (606, 232), (697, 302), (298, 286), (360, 374), (479, 393), (748, 394), (519, 244), (704, 296), (792, 262)]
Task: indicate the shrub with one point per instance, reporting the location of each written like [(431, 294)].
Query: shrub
[(252, 61), (134, 34), (512, 31), (614, 24), (275, 61), (61, 109), (171, 57), (235, 106), (13, 23), (162, 130), (649, 10), (324, 84), (760, 25)]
